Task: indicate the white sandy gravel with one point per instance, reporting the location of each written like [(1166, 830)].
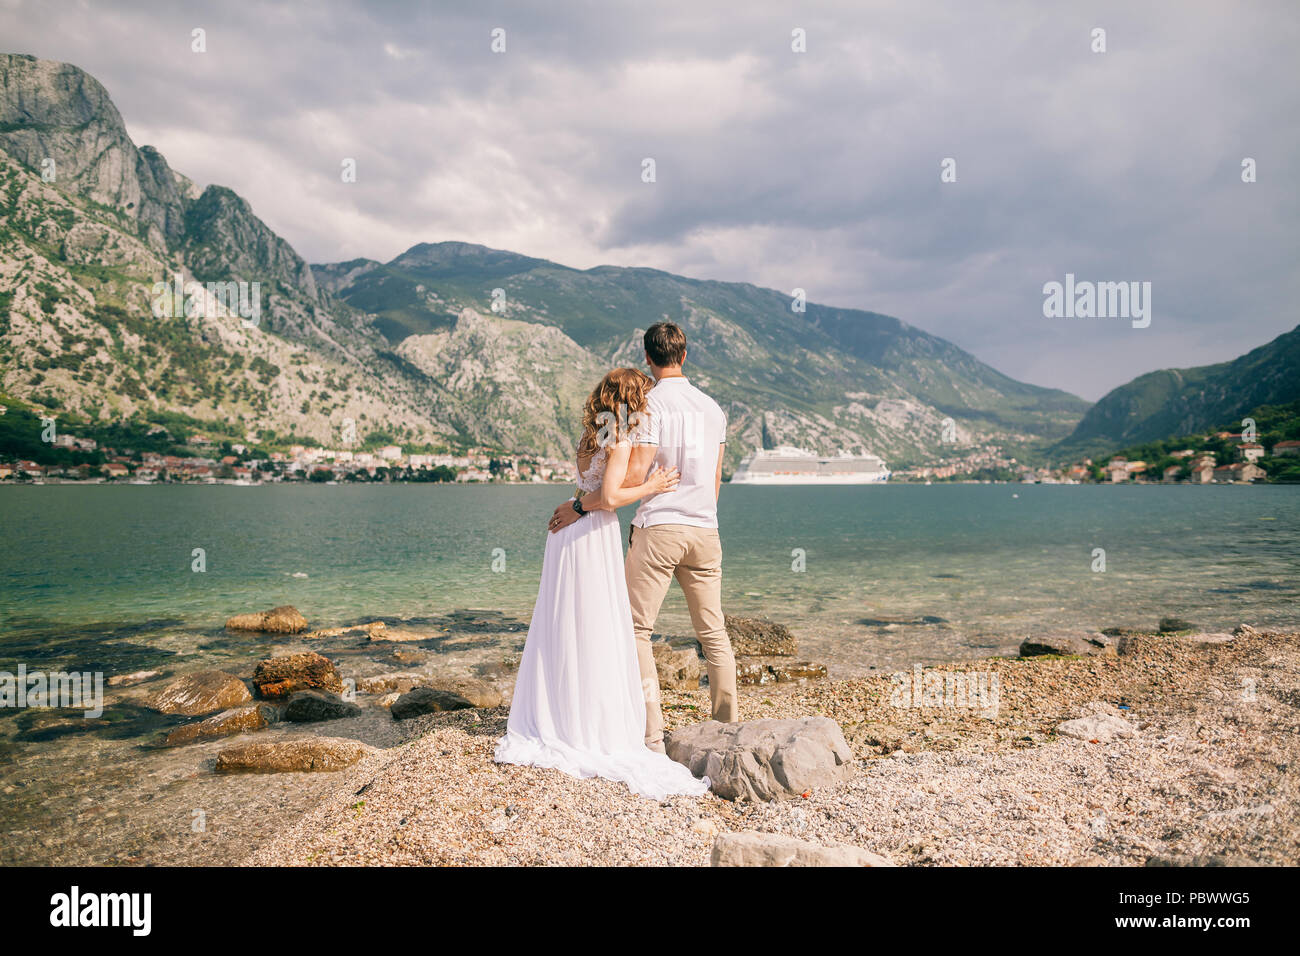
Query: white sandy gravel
[(1210, 772)]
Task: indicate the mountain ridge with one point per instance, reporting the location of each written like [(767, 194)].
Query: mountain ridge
[(420, 348), (734, 329)]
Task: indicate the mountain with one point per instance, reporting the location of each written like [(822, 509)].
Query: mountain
[(1173, 402), (416, 350), (827, 378)]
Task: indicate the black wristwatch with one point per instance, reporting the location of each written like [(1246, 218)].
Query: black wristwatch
[(577, 506)]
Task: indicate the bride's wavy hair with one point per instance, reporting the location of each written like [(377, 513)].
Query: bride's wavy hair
[(614, 406)]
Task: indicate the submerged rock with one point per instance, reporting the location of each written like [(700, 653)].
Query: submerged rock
[(129, 680), (279, 620), (278, 677), (887, 622), (430, 700), (1172, 625), (409, 655), (301, 754), (357, 631), (764, 759), (237, 720), (396, 634), (775, 849), (1070, 643), (388, 683), (477, 692), (771, 670), (760, 637), (307, 706), (203, 692)]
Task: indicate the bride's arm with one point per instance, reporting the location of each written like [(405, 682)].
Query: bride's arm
[(638, 464), (613, 495)]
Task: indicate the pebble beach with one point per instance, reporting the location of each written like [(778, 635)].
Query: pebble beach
[(1202, 772)]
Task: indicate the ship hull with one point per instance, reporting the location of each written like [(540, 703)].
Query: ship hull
[(794, 466), (860, 479)]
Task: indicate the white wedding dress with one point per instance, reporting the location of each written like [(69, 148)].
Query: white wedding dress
[(578, 704)]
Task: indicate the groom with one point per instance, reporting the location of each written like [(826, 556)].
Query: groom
[(675, 534)]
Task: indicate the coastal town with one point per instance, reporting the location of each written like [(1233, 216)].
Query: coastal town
[(39, 447), (241, 463), (1231, 459)]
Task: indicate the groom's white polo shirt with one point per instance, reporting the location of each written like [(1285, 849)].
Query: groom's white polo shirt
[(689, 428)]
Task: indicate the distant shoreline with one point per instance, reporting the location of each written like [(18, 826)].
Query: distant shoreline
[(564, 484)]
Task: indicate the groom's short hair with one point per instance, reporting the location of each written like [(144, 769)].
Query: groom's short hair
[(665, 344)]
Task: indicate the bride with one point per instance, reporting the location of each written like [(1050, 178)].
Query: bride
[(578, 703)]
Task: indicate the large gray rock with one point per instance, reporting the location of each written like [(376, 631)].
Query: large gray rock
[(203, 692), (764, 759), (679, 668), (1070, 643), (308, 706), (759, 637), (299, 754), (774, 849)]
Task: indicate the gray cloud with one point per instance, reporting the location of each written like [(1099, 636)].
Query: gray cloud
[(816, 170)]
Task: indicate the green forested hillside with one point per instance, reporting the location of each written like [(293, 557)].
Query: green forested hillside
[(1185, 401)]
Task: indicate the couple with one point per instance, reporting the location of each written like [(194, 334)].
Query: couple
[(587, 698)]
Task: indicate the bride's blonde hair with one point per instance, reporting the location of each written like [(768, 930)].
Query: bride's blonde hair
[(608, 415)]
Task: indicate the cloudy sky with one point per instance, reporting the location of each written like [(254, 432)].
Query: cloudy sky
[(818, 170)]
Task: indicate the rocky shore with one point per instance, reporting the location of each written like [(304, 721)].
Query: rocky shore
[(1174, 748), (372, 743)]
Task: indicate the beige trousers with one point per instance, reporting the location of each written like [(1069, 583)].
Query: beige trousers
[(693, 555)]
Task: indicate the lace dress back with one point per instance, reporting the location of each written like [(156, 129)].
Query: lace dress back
[(590, 480)]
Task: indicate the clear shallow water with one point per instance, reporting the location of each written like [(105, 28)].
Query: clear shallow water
[(994, 562), (99, 578)]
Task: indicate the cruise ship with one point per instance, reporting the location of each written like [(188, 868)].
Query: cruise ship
[(794, 466)]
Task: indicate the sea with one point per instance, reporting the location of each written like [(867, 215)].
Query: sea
[(871, 579)]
